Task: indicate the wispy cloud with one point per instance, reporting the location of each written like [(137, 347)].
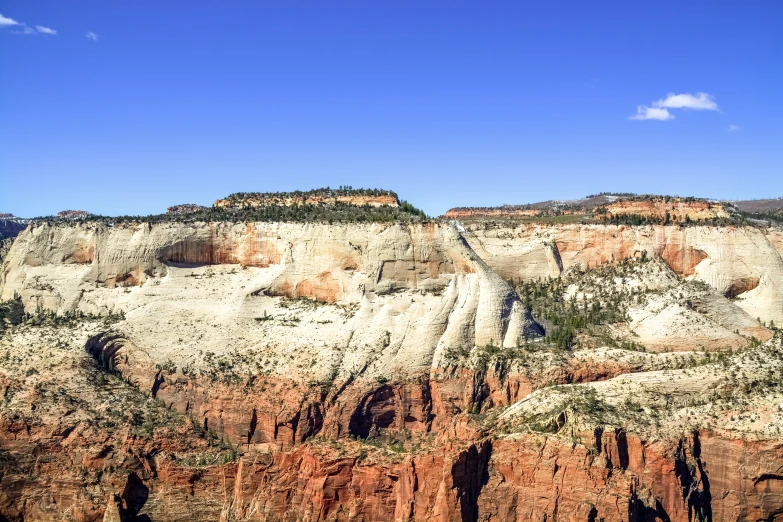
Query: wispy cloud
[(700, 102), (733, 128), (91, 36), (45, 30), (23, 28), (5, 21), (652, 113)]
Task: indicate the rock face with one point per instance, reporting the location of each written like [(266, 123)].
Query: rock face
[(310, 303), (614, 476), (358, 265), (359, 371), (744, 263), (624, 478)]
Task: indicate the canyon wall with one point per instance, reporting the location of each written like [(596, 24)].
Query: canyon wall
[(310, 346), (611, 476), (361, 265), (310, 318)]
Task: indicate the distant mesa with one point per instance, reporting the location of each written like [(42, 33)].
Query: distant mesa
[(760, 206), (186, 208), (73, 214), (666, 208), (322, 196), (608, 207), (550, 207)]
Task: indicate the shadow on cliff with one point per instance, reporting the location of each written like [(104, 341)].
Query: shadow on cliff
[(694, 482), (377, 411), (134, 496), (639, 511), (469, 474)]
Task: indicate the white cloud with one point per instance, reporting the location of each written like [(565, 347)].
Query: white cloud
[(7, 21), (24, 28), (651, 113), (701, 101), (733, 128), (45, 30), (91, 36)]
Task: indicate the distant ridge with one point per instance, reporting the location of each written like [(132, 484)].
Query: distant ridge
[(629, 208)]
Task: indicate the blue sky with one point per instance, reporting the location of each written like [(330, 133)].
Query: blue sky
[(134, 106)]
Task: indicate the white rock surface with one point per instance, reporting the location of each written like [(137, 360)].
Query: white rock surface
[(379, 299)]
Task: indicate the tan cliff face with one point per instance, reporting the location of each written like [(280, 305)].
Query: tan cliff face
[(385, 372)]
